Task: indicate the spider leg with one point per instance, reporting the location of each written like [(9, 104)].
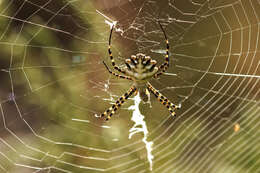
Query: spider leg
[(110, 53), (115, 74), (171, 107), (162, 68), (111, 111)]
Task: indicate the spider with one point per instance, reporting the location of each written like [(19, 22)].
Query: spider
[(139, 69)]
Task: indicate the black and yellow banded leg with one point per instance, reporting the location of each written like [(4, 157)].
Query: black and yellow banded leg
[(162, 68), (161, 98), (110, 53), (170, 106), (111, 111), (115, 74)]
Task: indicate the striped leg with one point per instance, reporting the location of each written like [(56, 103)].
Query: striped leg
[(171, 107), (165, 65), (110, 53), (115, 74), (111, 111)]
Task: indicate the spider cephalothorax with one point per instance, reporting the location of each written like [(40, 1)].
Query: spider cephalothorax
[(139, 69)]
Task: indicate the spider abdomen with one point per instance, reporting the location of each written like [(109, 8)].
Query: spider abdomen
[(141, 67)]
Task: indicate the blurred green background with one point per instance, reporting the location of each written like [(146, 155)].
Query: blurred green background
[(53, 86)]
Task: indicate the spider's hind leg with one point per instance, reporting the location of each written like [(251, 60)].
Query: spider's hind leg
[(165, 65), (110, 53)]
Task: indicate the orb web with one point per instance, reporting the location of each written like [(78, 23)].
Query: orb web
[(54, 86)]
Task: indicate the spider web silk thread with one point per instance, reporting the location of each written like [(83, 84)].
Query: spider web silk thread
[(140, 126)]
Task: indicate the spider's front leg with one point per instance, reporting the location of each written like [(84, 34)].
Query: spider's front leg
[(111, 111), (171, 107)]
